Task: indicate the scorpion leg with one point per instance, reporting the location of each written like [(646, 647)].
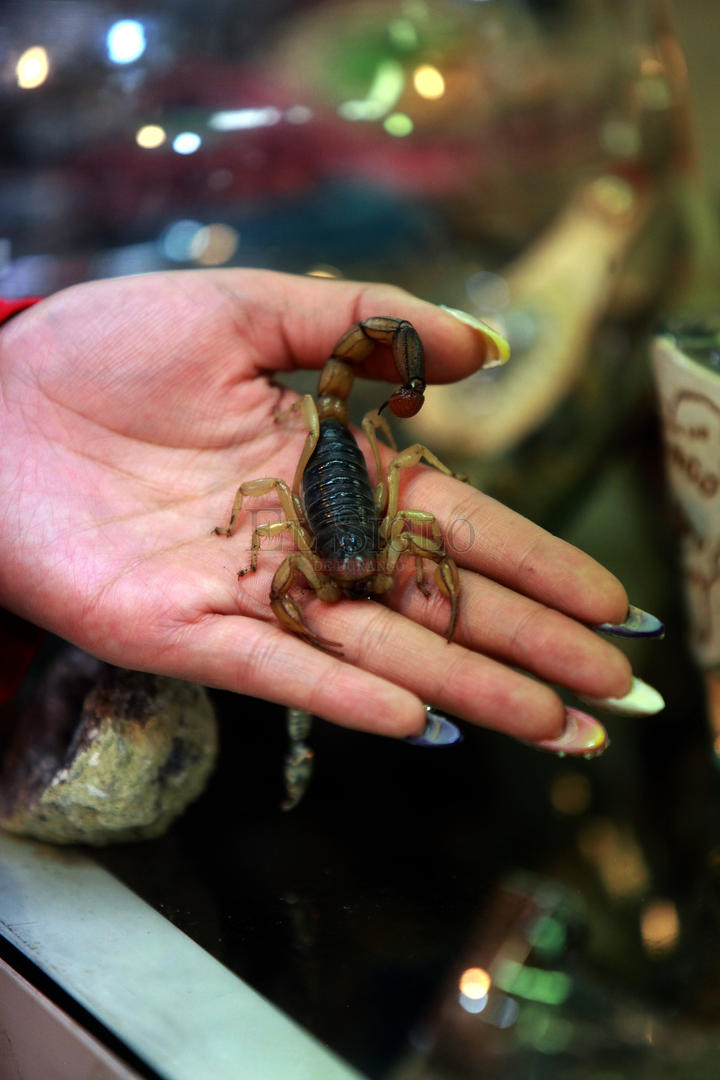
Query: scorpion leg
[(269, 528), (308, 407), (274, 528), (412, 456), (421, 547), (417, 518), (312, 422), (257, 487), (288, 611), (372, 422), (447, 578)]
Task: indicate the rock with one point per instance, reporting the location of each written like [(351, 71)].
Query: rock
[(104, 755)]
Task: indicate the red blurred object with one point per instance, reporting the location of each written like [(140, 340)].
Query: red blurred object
[(9, 308), (19, 640)]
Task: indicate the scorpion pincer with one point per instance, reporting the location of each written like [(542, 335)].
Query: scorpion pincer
[(350, 536)]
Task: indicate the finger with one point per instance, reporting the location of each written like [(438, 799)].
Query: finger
[(483, 535), (295, 321), (379, 642), (250, 657), (507, 626)]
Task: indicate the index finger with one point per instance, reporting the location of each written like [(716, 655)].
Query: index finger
[(295, 321)]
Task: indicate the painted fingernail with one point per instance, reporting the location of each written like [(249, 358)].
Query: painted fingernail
[(637, 623), (640, 700), (498, 349), (438, 731), (584, 736)]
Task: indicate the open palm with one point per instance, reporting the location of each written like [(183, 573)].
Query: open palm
[(132, 409)]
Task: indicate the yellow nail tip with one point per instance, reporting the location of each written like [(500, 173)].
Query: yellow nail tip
[(498, 348), (583, 736)]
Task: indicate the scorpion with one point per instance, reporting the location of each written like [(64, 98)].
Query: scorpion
[(349, 536)]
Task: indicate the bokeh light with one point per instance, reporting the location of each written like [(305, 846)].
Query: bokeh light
[(428, 82), (187, 142), (32, 68), (475, 983), (399, 125), (125, 41), (213, 245), (659, 926), (150, 136)]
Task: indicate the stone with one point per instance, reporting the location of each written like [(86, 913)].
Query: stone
[(104, 755)]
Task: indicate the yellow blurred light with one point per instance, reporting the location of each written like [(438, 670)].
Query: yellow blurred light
[(617, 855), (659, 926), (150, 136), (428, 82), (324, 271), (570, 793), (32, 68), (650, 65), (213, 245), (474, 983)]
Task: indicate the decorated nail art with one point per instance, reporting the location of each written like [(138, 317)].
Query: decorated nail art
[(438, 731), (498, 348), (640, 700), (637, 623), (584, 736)]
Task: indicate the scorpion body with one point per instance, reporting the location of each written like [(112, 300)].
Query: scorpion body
[(338, 498), (350, 536)]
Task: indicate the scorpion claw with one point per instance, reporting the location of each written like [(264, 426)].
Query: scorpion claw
[(290, 616), (453, 618), (448, 581)]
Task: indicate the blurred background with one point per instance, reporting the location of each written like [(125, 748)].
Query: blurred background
[(552, 166)]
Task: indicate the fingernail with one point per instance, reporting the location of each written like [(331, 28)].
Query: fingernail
[(438, 731), (584, 736), (637, 623), (498, 349), (640, 700)]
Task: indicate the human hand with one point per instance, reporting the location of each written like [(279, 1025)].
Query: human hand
[(133, 408)]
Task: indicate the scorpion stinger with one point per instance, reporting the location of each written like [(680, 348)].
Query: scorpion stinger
[(409, 358), (350, 537)]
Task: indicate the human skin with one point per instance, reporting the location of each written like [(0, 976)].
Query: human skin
[(132, 408)]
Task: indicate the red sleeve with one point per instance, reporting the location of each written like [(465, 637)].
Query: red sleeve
[(19, 640), (11, 307)]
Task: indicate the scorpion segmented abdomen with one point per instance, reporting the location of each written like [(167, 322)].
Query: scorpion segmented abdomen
[(337, 495)]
